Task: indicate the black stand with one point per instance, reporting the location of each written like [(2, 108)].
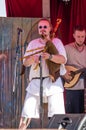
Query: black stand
[(41, 94), (15, 81)]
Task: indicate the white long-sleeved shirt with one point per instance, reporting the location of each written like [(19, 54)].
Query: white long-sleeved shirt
[(49, 87)]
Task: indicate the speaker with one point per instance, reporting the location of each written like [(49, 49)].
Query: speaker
[(68, 121)]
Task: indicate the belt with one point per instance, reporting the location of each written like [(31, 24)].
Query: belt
[(39, 77)]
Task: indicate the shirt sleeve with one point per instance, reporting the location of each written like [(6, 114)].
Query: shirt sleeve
[(61, 49)]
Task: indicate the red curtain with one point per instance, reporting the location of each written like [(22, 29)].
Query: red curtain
[(71, 13), (24, 8), (77, 14)]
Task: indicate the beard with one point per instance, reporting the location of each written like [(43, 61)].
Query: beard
[(43, 34)]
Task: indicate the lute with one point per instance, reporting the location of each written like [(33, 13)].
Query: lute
[(75, 73)]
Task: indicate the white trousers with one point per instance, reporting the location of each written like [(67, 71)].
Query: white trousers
[(32, 105)]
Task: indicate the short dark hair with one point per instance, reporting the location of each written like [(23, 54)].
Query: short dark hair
[(79, 28)]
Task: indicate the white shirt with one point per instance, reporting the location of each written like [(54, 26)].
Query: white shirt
[(49, 87)]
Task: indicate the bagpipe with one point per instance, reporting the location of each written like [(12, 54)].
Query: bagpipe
[(52, 50)]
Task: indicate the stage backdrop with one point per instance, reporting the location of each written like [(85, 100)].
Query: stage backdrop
[(15, 33)]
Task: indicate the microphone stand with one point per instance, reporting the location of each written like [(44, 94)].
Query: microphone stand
[(41, 93), (15, 81)]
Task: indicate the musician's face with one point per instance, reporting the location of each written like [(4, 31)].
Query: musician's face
[(44, 28), (79, 37)]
